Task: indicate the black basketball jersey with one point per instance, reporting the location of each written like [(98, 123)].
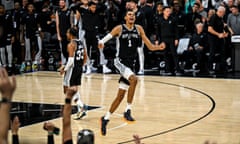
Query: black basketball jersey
[(31, 22), (73, 75), (127, 43), (79, 53), (64, 21), (5, 28)]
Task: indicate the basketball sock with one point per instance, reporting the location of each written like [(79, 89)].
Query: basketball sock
[(107, 116), (76, 98), (128, 107), (80, 105)]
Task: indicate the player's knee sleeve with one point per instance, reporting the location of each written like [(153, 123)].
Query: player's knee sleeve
[(123, 86)]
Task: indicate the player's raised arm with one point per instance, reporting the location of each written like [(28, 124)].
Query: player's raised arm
[(148, 43), (7, 88), (115, 31)]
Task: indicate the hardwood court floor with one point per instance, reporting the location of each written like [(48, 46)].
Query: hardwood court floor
[(168, 110)]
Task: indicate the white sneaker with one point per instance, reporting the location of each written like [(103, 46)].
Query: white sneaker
[(23, 67), (93, 68), (84, 69), (106, 69), (140, 72), (88, 70)]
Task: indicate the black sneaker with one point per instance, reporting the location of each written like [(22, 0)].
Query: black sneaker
[(80, 116), (103, 126), (127, 116)]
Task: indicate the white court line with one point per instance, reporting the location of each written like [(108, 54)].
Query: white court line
[(118, 115), (117, 127)]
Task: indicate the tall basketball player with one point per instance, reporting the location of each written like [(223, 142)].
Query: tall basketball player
[(63, 23), (73, 69), (129, 37)]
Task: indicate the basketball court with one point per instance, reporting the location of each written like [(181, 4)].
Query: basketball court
[(168, 110)]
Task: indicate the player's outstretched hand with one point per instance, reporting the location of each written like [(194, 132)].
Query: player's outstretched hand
[(48, 126)]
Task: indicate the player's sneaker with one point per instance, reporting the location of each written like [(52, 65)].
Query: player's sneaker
[(127, 116), (23, 67), (141, 72), (80, 115), (94, 69), (106, 69), (103, 126), (88, 70), (10, 70), (34, 67), (28, 66)]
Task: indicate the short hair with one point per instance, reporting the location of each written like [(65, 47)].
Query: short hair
[(135, 1), (222, 8), (159, 3), (165, 7), (198, 23), (30, 4), (149, 1), (234, 6), (128, 10), (91, 3)]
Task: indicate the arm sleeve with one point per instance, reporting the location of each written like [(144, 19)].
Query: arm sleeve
[(69, 63), (106, 38)]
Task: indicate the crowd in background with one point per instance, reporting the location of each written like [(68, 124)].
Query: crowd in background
[(32, 35)]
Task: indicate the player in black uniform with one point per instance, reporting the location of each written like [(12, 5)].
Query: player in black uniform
[(73, 69), (142, 21), (63, 23), (216, 39), (33, 41), (6, 38), (72, 78), (129, 37)]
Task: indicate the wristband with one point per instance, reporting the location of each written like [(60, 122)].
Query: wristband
[(106, 38), (50, 133), (67, 101), (5, 100)]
